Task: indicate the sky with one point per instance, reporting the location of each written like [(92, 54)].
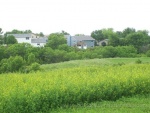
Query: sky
[(74, 16)]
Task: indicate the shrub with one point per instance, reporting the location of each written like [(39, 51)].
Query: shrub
[(34, 67), (13, 64), (138, 61)]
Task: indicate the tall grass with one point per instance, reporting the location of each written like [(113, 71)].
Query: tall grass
[(41, 91)]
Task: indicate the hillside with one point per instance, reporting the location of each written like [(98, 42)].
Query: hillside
[(76, 85)]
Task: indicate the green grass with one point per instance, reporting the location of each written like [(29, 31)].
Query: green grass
[(135, 104), (81, 86), (94, 62)]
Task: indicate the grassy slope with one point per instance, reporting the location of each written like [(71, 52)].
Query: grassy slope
[(94, 62), (136, 104), (132, 104)]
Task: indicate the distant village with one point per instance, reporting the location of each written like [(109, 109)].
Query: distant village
[(82, 42)]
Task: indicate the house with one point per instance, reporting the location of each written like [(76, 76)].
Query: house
[(39, 42), (82, 42), (30, 38), (103, 42)]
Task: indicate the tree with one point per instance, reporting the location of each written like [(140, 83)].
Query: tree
[(55, 39), (12, 64), (114, 40), (128, 31), (1, 31), (137, 39), (98, 35), (40, 34), (1, 38), (64, 33), (27, 31), (10, 40), (31, 58), (79, 35)]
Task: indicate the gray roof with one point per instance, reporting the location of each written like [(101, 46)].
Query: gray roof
[(20, 35), (80, 38), (39, 40)]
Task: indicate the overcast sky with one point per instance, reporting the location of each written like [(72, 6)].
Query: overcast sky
[(74, 16)]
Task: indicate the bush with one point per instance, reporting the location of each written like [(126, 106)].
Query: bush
[(138, 61), (13, 64), (148, 53), (34, 67)]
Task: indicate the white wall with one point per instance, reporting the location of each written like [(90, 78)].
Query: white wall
[(36, 44)]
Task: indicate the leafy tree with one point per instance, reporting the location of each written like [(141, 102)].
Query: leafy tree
[(34, 67), (64, 33), (26, 31), (10, 39), (137, 39), (108, 51), (40, 34), (114, 40), (65, 47), (1, 31), (12, 64), (2, 49), (128, 31), (1, 38), (31, 58), (98, 35), (79, 35), (55, 39)]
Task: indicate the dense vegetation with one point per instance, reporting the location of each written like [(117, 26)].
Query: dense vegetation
[(50, 89), (126, 43)]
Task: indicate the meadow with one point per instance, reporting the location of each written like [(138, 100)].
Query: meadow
[(74, 83)]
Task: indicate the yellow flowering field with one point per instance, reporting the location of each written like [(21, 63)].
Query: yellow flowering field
[(41, 91)]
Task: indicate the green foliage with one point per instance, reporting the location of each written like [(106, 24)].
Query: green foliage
[(34, 67), (2, 49), (137, 39), (64, 33), (55, 39), (1, 31), (126, 51), (108, 51), (148, 53), (31, 58), (127, 31), (98, 35), (138, 61), (10, 40), (13, 64), (42, 91), (1, 40)]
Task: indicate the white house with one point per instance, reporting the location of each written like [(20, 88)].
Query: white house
[(39, 42), (30, 38)]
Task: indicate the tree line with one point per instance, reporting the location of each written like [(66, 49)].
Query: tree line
[(25, 58)]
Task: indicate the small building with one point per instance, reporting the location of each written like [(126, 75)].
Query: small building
[(39, 42), (82, 42), (103, 42), (30, 38)]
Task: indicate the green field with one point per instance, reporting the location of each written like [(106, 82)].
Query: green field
[(95, 62), (135, 104), (97, 85)]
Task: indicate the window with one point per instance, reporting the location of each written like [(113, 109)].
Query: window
[(27, 38)]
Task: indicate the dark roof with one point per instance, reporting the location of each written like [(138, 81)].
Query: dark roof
[(39, 40), (80, 38)]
